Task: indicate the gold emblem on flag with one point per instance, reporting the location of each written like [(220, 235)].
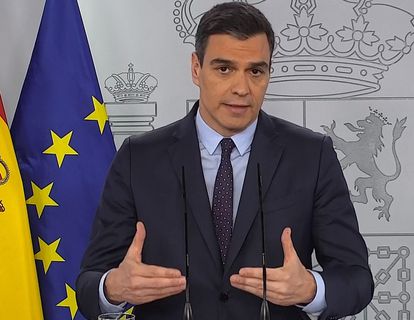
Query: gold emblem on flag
[(4, 172)]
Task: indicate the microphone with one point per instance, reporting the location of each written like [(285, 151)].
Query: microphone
[(188, 312), (264, 310)]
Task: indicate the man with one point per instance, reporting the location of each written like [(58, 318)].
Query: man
[(137, 252)]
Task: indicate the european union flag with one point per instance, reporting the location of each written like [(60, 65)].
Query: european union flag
[(64, 147)]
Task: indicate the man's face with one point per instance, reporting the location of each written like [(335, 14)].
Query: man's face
[(232, 81)]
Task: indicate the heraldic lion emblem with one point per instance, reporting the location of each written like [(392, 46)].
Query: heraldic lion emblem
[(363, 153)]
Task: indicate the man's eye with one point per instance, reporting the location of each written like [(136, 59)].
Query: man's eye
[(224, 69), (257, 72)]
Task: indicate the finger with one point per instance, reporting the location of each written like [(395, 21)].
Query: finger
[(139, 238), (274, 293), (141, 283), (250, 282), (135, 249), (152, 271), (272, 274), (160, 292), (150, 298), (287, 245), (253, 290), (251, 272)]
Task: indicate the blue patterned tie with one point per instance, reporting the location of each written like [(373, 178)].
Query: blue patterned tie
[(222, 206)]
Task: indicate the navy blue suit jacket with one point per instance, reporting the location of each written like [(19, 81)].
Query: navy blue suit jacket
[(303, 188)]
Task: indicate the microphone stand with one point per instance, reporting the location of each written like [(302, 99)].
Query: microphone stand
[(188, 313), (264, 310)]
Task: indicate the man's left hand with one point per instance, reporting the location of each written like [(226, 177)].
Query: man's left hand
[(288, 285)]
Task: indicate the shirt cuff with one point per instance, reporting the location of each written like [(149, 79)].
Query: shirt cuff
[(104, 304), (318, 304)]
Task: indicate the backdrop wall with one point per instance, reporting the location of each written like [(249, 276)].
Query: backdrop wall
[(342, 67)]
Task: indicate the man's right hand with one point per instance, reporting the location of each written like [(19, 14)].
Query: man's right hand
[(136, 282)]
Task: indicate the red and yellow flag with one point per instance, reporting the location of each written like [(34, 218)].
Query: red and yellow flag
[(19, 290)]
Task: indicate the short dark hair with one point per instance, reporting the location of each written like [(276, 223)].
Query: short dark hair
[(238, 19)]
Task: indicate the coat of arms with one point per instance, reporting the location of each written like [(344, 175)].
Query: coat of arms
[(363, 153)]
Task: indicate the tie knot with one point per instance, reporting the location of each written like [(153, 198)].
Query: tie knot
[(227, 146)]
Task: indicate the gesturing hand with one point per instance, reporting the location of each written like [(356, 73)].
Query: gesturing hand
[(136, 282), (288, 285)]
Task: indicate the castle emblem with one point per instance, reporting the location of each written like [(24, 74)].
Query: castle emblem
[(363, 153), (132, 112), (321, 52)]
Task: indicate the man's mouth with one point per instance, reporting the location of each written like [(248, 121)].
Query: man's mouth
[(237, 105)]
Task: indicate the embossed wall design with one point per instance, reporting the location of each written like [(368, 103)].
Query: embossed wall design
[(342, 67)]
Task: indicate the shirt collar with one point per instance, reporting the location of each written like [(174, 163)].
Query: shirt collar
[(210, 139)]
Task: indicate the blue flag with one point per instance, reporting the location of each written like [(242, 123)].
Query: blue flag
[(64, 148)]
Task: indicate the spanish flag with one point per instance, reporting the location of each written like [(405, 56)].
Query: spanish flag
[(19, 290)]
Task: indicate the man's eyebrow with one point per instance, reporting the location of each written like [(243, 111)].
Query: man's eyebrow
[(261, 64), (220, 61)]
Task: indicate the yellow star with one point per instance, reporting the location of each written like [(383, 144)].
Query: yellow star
[(69, 301), (47, 253), (60, 147), (129, 311), (99, 115), (41, 198)]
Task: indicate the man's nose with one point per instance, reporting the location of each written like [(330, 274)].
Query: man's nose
[(241, 84)]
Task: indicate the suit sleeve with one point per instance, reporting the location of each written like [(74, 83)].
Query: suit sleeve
[(112, 233), (340, 248)]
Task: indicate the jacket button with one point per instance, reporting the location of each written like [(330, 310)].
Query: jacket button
[(224, 297)]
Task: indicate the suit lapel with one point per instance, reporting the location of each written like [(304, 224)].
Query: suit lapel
[(185, 151), (266, 151)]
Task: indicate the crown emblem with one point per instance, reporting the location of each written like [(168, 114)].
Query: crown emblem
[(328, 48), (348, 59), (130, 87), (380, 116)]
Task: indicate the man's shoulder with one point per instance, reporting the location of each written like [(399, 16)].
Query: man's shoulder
[(160, 136), (289, 130)]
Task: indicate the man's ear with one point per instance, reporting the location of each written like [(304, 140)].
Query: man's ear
[(195, 69)]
